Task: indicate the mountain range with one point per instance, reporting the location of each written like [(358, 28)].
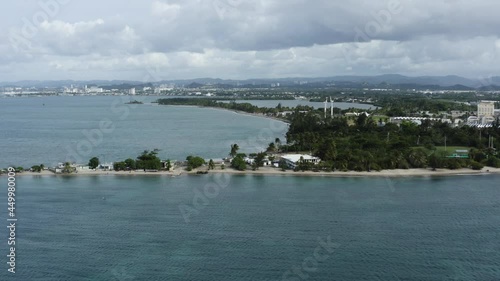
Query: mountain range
[(384, 81)]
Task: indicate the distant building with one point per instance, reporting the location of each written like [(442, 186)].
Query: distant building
[(292, 160), (457, 114), (417, 120), (94, 90), (285, 113), (356, 114), (132, 92), (486, 109), (106, 167)]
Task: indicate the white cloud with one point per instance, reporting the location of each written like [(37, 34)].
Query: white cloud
[(69, 29), (162, 9), (261, 38)]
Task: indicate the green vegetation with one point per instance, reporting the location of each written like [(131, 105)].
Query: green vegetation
[(130, 164), (234, 150), (36, 169), (217, 103), (366, 146), (194, 162), (68, 169), (239, 163), (148, 160), (168, 165), (135, 102), (259, 160), (94, 163)]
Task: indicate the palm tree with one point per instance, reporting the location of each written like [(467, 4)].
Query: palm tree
[(271, 148), (67, 168), (234, 150), (277, 141), (211, 164), (417, 158)]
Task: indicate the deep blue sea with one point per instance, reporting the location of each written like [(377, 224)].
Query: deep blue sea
[(227, 228)]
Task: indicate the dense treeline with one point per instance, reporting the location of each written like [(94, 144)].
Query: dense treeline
[(368, 145), (216, 103), (148, 160), (408, 105)]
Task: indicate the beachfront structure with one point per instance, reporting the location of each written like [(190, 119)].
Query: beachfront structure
[(106, 167), (292, 160), (250, 161)]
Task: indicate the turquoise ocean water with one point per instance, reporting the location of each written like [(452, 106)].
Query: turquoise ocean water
[(255, 228)]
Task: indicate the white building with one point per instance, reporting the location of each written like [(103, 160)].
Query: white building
[(486, 109), (292, 160), (132, 92), (417, 120), (107, 166), (93, 90)]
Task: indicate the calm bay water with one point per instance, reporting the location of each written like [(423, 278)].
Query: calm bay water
[(49, 130), (257, 228)]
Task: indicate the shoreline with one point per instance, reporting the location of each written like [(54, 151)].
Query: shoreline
[(235, 111), (276, 172)]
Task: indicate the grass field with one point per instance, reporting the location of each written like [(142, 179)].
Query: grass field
[(451, 149)]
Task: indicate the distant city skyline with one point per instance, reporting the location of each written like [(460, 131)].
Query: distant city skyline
[(156, 40)]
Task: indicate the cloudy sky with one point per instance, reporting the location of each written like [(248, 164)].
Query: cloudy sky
[(175, 39)]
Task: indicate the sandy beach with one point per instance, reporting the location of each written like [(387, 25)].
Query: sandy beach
[(266, 171)]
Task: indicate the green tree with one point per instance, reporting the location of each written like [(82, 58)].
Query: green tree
[(418, 158), (259, 160), (195, 161), (434, 161), (130, 164), (234, 150), (282, 164), (149, 161), (36, 169), (168, 165), (120, 166), (68, 169), (239, 163), (94, 163), (211, 164), (271, 148)]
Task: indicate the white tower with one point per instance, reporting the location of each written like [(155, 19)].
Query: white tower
[(331, 109), (326, 105)]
